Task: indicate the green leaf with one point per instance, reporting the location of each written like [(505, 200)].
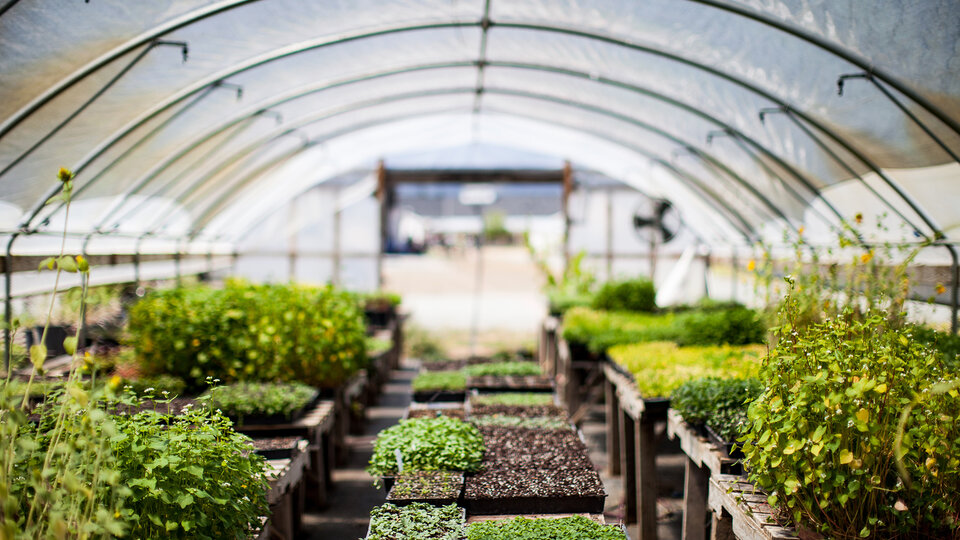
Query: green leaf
[(48, 262), (38, 354), (67, 264), (185, 500), (70, 345)]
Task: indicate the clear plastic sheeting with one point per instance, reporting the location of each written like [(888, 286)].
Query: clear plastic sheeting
[(190, 123)]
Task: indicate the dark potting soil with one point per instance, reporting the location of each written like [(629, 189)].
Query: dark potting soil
[(455, 412), (514, 448), (527, 482), (532, 411)]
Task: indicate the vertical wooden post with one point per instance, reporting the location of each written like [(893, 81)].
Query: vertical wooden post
[(696, 484), (722, 528), (646, 470), (567, 189), (628, 462), (382, 196), (613, 428)]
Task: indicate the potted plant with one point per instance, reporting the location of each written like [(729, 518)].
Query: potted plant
[(431, 386), (262, 403), (718, 407), (416, 521), (526, 528), (426, 444)]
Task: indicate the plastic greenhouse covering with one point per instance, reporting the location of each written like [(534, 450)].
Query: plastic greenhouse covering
[(192, 125)]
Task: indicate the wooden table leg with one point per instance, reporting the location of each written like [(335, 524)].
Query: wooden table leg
[(646, 471), (696, 484), (722, 527), (613, 429), (628, 463)]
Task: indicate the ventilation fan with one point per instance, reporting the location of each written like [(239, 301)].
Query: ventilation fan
[(664, 222)]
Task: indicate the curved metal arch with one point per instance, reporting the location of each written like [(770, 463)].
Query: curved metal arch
[(619, 42), (552, 69), (839, 52), (776, 211), (735, 220), (470, 90)]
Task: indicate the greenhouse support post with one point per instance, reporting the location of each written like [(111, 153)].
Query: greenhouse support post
[(8, 304), (609, 233), (954, 293)]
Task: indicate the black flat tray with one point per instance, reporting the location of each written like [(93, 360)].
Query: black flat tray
[(433, 396), (536, 505)]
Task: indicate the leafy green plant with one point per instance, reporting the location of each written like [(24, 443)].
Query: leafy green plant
[(636, 294), (427, 485), (731, 326), (947, 345), (58, 477), (516, 399), (427, 444), (600, 330), (503, 369), (660, 367), (440, 380), (191, 476), (572, 288), (522, 528), (247, 332), (822, 435), (246, 399), (416, 521), (521, 422), (720, 404)]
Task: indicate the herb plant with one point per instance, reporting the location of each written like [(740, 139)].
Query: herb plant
[(191, 476), (661, 367), (720, 404), (503, 369), (528, 399), (245, 399), (732, 326), (247, 332), (522, 528), (440, 380), (427, 485), (156, 385), (600, 330), (636, 294), (427, 444), (823, 434), (416, 521)]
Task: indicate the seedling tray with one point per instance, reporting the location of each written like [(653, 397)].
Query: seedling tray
[(452, 496), (510, 383), (463, 519), (536, 505), (434, 396), (282, 447), (274, 419), (726, 447)]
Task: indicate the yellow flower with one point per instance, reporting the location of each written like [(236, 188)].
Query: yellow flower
[(865, 258), (940, 288), (752, 265), (800, 231), (64, 174), (858, 218), (115, 382)]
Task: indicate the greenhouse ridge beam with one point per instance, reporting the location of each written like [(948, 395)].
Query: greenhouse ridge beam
[(467, 176)]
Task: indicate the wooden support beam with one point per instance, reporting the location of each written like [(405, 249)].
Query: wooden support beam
[(646, 470), (613, 428), (695, 515), (628, 466)]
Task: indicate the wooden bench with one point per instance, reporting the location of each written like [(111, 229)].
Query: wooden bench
[(741, 511), (286, 494)]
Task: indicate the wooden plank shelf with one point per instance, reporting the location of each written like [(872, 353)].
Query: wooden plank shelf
[(317, 427), (702, 451), (740, 511), (286, 494), (632, 444)]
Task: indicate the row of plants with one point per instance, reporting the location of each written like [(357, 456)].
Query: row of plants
[(659, 368), (425, 521), (247, 332), (446, 385), (706, 324)]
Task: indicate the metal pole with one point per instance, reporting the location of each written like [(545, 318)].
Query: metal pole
[(8, 304), (337, 212), (609, 233), (955, 287), (735, 273)]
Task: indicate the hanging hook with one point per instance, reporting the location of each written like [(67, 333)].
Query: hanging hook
[(224, 84), (840, 81), (772, 110)]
